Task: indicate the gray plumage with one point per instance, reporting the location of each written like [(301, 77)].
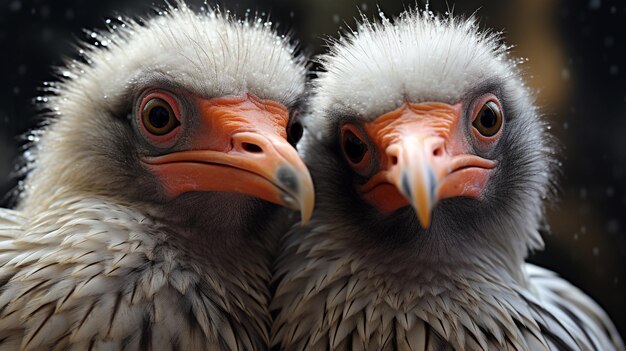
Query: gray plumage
[(355, 279), (95, 257)]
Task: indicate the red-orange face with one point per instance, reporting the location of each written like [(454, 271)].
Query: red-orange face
[(239, 144), (421, 153)]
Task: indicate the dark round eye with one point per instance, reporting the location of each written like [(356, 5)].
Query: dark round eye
[(353, 147), (294, 133), (158, 118), (489, 119)]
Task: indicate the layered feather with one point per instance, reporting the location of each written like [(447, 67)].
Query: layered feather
[(91, 274), (335, 298)]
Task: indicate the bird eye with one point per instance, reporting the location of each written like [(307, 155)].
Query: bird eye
[(353, 147), (356, 150), (294, 133), (488, 121), (158, 117)]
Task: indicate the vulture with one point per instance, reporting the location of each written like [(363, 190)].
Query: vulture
[(431, 165), (157, 190)]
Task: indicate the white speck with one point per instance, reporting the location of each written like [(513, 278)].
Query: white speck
[(108, 21), (614, 70), (596, 251), (583, 230), (565, 125), (382, 16), (595, 4), (583, 193), (364, 7), (94, 34), (565, 74), (336, 18)]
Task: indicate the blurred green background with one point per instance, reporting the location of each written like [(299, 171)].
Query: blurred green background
[(576, 54)]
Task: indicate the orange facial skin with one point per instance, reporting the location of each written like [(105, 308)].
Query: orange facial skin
[(423, 159), (240, 146)]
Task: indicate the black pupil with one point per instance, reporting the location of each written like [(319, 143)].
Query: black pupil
[(295, 133), (354, 148), (488, 118), (159, 117)]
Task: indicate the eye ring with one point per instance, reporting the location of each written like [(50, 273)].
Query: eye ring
[(488, 119), (159, 118), (356, 150), (353, 147)]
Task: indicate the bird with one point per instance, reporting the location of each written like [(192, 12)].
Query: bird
[(432, 167), (156, 188)]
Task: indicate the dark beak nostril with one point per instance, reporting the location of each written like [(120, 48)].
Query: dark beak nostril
[(394, 160), (437, 152), (252, 147)]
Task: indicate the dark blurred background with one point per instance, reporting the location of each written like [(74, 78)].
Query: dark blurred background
[(576, 54)]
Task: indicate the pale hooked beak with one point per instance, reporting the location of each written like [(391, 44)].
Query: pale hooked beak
[(422, 161), (241, 148)]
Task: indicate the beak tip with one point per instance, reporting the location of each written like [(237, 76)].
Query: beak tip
[(298, 190), (423, 216), (421, 196), (306, 206), (304, 219), (423, 210)]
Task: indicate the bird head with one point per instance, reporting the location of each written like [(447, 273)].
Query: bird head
[(432, 133), (180, 107)]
